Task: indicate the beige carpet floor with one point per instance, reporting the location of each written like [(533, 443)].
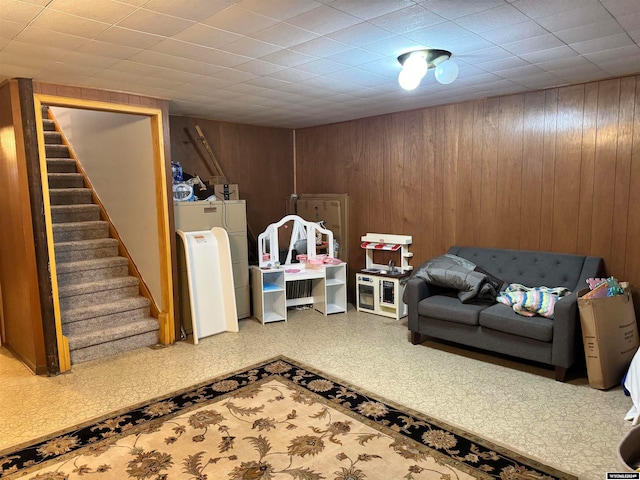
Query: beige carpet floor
[(566, 425)]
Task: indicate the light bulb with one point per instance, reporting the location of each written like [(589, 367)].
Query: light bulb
[(417, 64), (446, 72), (408, 79)]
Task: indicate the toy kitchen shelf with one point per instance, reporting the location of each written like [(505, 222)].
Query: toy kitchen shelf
[(380, 287), (275, 290)]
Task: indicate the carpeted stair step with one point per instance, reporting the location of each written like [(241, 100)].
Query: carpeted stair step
[(56, 151), (102, 314), (118, 345), (65, 180), (134, 327), (48, 125), (52, 138), (61, 165), (74, 231), (86, 271), (69, 196), (89, 212), (86, 250), (93, 293)]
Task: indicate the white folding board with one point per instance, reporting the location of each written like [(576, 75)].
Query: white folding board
[(210, 279)]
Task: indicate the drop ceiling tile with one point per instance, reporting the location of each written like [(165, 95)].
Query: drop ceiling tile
[(14, 70), (238, 20), (622, 54), (99, 62), (635, 35), (41, 36), (394, 46), (583, 33), (154, 23), (108, 11), (280, 9), (23, 55), (629, 21), (557, 53), (249, 47), (621, 7), (413, 17), (69, 24), (15, 11), (499, 17), (134, 68), (234, 76), (621, 66), (320, 47), (148, 57), (471, 43), (9, 29), (602, 44), (68, 72), (287, 58), (577, 17), (528, 29), (207, 36), (361, 34), (438, 36), (284, 35), (502, 64), (356, 57), (358, 77), (220, 57), (176, 48), (324, 20), (321, 67), (195, 10), (258, 67), (452, 10), (98, 48), (42, 3), (484, 55), (529, 45), (546, 8), (129, 38), (371, 8), (291, 75), (564, 63)]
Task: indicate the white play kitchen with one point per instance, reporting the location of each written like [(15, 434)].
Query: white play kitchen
[(380, 285)]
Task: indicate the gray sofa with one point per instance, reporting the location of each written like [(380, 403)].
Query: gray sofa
[(437, 312)]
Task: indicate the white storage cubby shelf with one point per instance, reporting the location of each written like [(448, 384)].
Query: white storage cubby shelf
[(292, 284)]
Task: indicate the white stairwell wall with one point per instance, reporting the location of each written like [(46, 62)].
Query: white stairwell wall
[(116, 152)]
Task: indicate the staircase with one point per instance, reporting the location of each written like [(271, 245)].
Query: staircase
[(101, 310)]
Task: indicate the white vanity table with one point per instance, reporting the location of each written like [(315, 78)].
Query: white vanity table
[(277, 287)]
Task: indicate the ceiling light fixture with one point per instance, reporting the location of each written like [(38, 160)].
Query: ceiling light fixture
[(416, 63)]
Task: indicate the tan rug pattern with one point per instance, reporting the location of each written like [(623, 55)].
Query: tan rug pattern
[(276, 420)]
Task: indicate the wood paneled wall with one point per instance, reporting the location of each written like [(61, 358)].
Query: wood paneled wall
[(22, 318), (554, 170), (258, 159)]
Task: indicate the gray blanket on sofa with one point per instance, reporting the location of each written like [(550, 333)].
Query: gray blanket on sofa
[(451, 271)]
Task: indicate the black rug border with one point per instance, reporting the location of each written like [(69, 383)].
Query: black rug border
[(27, 449)]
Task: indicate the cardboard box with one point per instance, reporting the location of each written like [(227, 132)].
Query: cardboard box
[(217, 180), (228, 191), (610, 336)]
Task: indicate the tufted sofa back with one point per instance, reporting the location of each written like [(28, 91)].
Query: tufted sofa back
[(534, 269)]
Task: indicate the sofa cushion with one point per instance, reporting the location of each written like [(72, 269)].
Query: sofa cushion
[(449, 307), (502, 318)]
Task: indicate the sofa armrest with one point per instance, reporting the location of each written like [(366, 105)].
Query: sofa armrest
[(565, 331), (415, 291)]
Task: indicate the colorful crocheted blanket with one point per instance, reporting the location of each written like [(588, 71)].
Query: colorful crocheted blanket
[(530, 301)]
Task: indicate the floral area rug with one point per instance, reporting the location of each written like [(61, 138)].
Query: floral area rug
[(276, 420)]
